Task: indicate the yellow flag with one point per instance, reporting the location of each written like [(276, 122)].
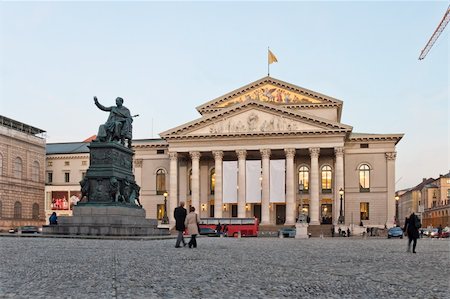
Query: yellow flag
[(272, 58)]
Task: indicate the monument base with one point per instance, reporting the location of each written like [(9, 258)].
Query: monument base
[(301, 231), (106, 220)]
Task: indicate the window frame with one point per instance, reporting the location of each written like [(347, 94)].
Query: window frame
[(160, 181), (301, 178), (364, 171), (364, 208), (327, 179)]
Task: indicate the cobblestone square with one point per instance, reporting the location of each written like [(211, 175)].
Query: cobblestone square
[(223, 268)]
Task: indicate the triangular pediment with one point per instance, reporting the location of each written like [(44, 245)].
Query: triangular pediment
[(255, 117), (269, 90)]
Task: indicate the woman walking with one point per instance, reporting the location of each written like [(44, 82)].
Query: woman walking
[(192, 226)]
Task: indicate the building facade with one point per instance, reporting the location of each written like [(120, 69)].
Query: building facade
[(269, 150), (437, 202), (22, 158)]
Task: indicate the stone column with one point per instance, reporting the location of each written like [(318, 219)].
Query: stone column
[(241, 183), (290, 186), (339, 175), (195, 157), (218, 156), (390, 177), (265, 202), (138, 171), (314, 186), (173, 189)]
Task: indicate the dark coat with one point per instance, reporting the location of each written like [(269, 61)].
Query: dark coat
[(180, 216), (410, 227)]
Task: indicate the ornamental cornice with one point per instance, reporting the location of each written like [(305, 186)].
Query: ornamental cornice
[(290, 153), (218, 155), (391, 156), (265, 153), (67, 157), (314, 152), (241, 153)]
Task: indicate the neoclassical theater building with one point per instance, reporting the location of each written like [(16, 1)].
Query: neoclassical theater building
[(270, 150)]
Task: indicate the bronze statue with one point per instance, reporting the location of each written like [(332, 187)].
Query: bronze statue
[(118, 126)]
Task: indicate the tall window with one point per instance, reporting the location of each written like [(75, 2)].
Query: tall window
[(326, 179), (212, 180), (160, 182), (303, 178), (35, 211), (49, 177), (67, 177), (364, 178), (190, 181), (35, 171), (1, 164), (17, 210), (17, 170), (364, 210)]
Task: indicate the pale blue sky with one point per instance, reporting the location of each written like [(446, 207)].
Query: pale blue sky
[(165, 59)]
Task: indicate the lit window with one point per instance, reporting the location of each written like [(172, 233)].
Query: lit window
[(326, 179), (159, 211), (160, 182), (364, 210), (18, 168), (303, 178), (364, 178), (212, 180)]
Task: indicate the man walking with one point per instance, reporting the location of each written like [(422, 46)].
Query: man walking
[(412, 225), (180, 216)]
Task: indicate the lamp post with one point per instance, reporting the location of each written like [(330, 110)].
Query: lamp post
[(341, 216), (396, 209), (165, 219)]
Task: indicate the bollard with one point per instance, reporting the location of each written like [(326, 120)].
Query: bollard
[(239, 234), (281, 236)]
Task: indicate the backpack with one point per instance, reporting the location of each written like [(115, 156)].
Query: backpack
[(417, 223)]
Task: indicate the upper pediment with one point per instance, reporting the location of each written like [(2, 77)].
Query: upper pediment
[(273, 91), (255, 118)]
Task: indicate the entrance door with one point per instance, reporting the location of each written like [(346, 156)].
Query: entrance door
[(280, 214), (326, 213), (257, 211)]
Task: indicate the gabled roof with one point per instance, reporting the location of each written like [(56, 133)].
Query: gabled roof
[(305, 97), (286, 113)]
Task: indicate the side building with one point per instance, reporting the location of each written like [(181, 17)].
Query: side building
[(22, 164)]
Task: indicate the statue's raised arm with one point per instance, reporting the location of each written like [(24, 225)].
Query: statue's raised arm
[(100, 106), (118, 126)]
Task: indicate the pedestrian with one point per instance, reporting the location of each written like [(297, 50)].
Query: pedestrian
[(439, 230), (339, 232), (219, 229), (53, 219), (348, 232), (180, 216), (412, 225), (225, 230), (191, 223), (332, 231)]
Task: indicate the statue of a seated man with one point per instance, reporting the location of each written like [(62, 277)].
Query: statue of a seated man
[(118, 126)]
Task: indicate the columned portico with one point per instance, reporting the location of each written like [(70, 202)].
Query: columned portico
[(339, 174), (390, 201), (290, 187), (195, 156), (218, 156), (241, 182), (173, 189), (314, 186), (265, 201)]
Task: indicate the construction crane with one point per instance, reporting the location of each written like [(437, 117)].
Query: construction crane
[(436, 34)]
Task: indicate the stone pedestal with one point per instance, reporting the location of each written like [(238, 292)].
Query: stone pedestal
[(106, 220), (301, 231)]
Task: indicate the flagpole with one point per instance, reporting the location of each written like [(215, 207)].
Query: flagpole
[(268, 64)]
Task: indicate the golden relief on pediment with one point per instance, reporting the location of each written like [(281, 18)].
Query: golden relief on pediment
[(271, 94)]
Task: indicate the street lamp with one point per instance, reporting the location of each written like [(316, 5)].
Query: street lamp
[(396, 209), (341, 216), (165, 219)]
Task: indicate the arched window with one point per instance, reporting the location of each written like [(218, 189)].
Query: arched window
[(17, 210), (326, 179), (212, 180), (303, 178), (17, 170), (160, 182), (35, 171), (364, 178), (35, 211)]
